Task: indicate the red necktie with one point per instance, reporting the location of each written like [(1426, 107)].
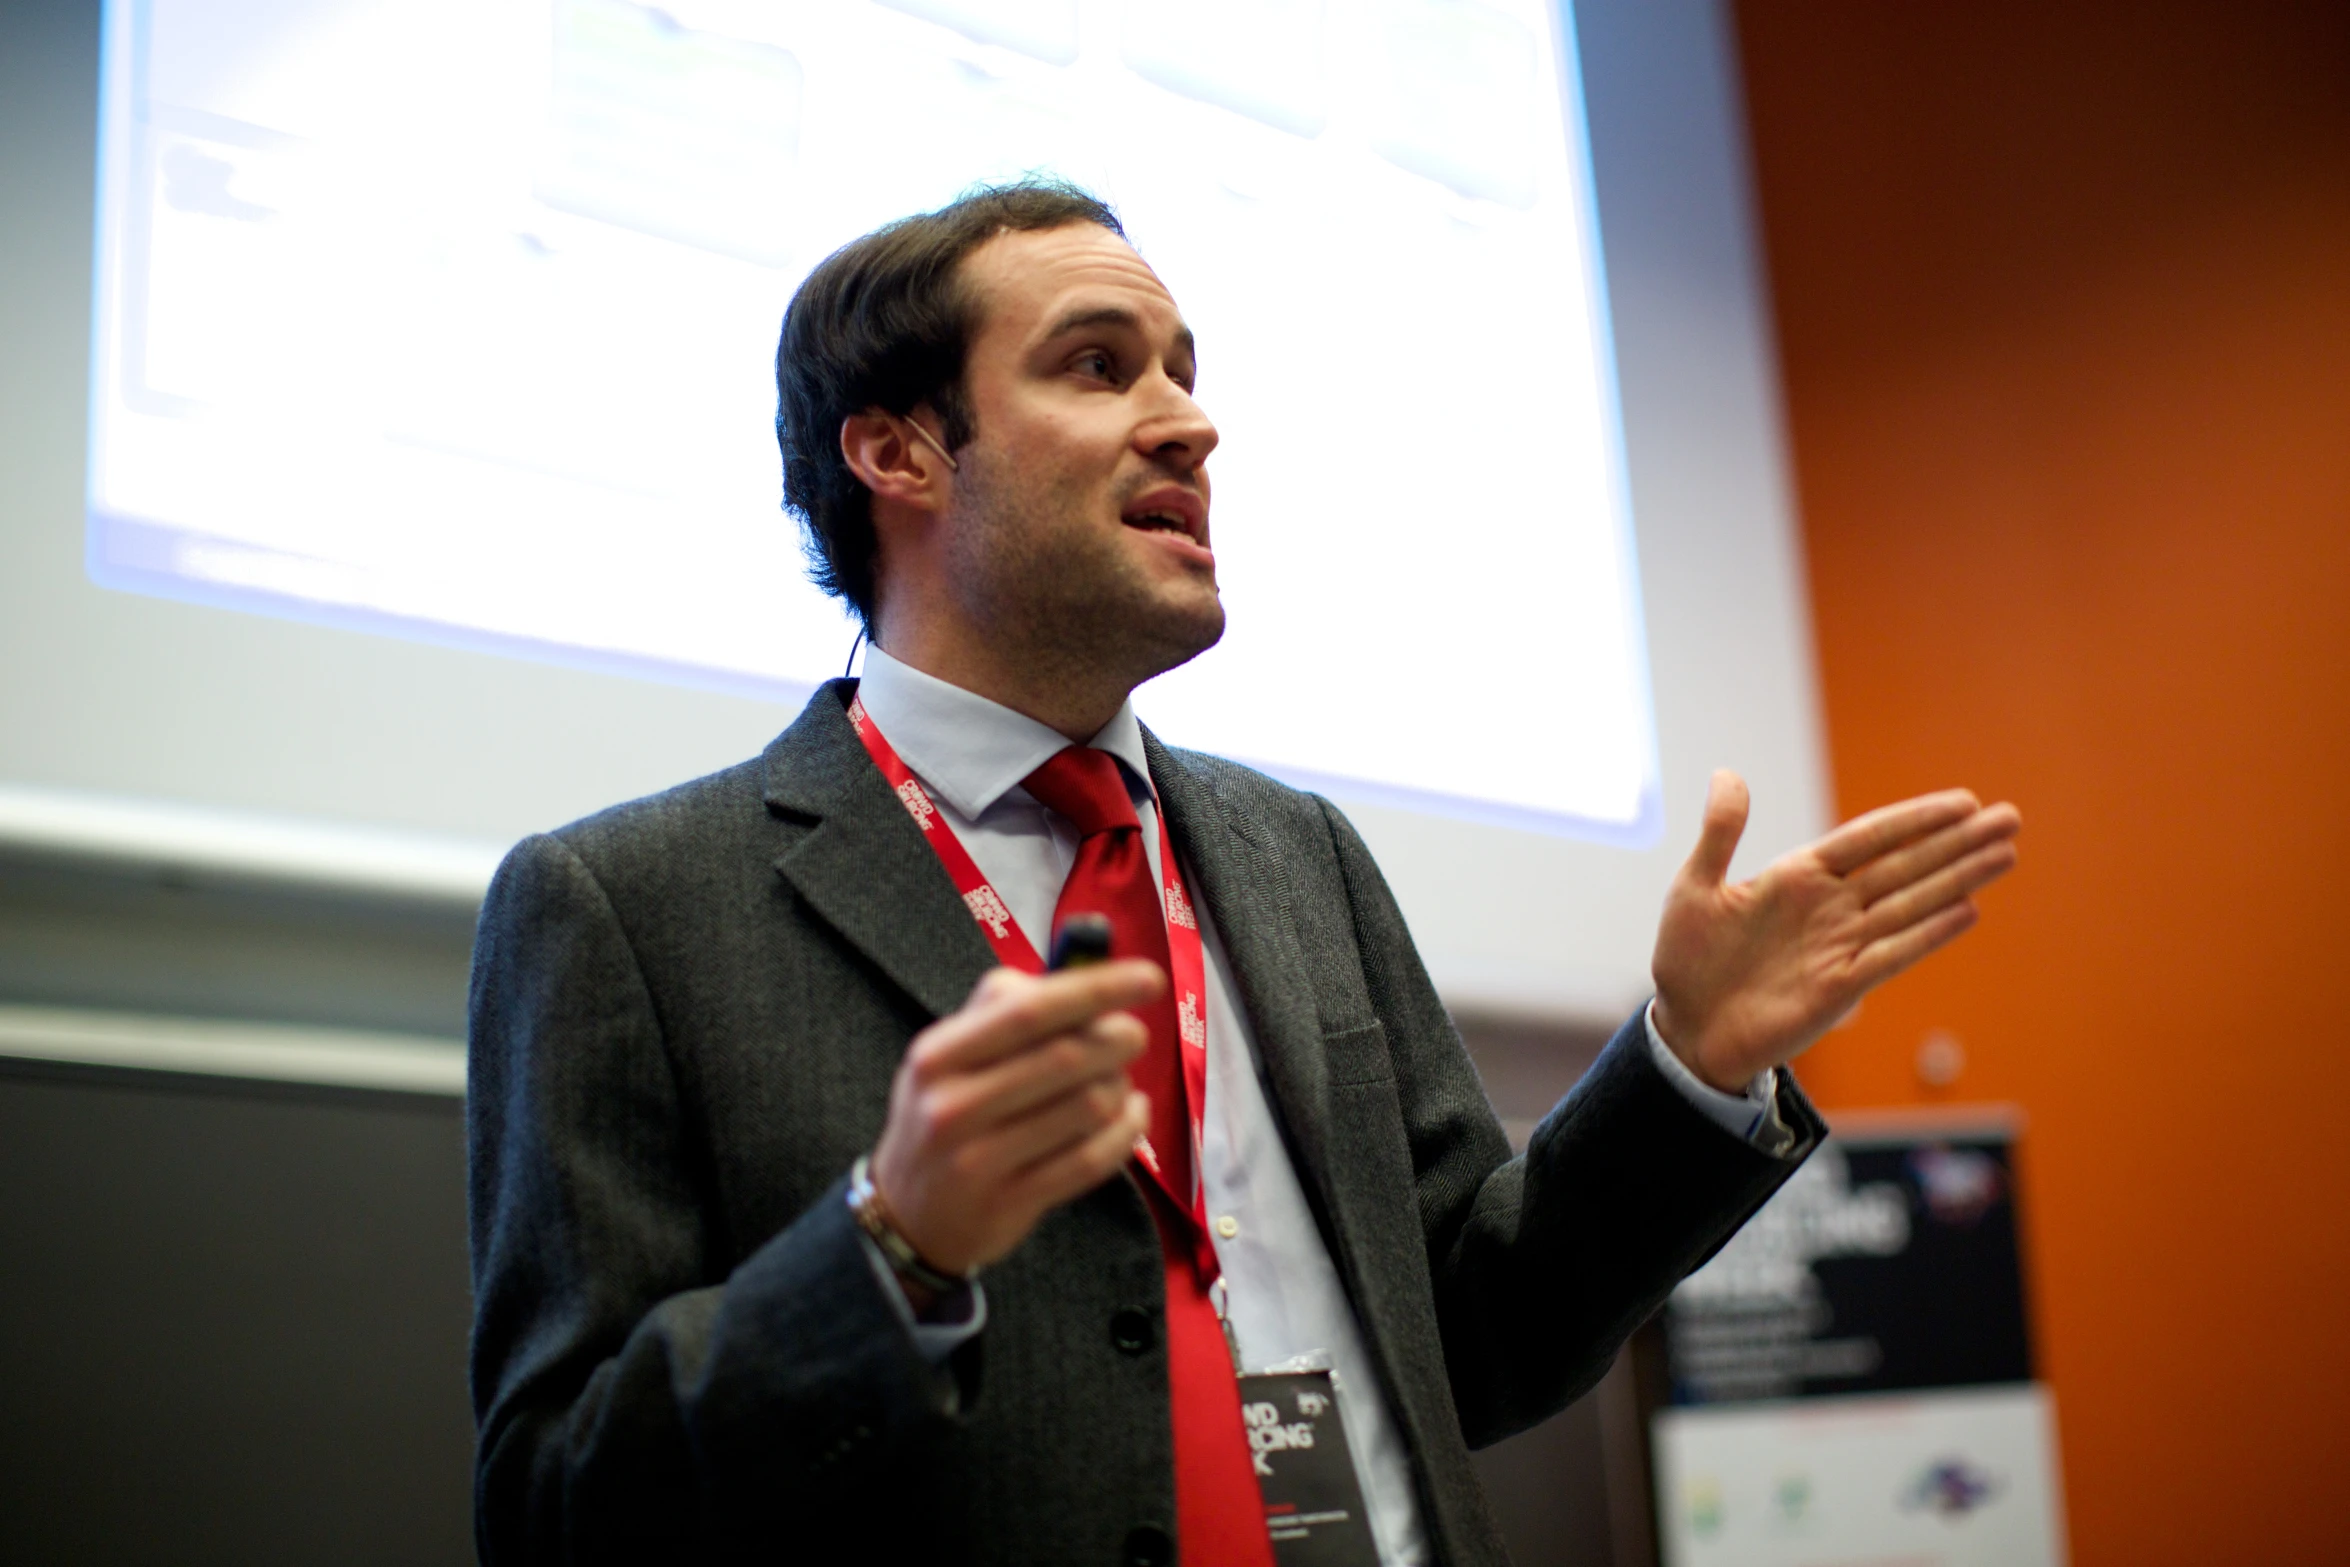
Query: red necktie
[(1219, 1513)]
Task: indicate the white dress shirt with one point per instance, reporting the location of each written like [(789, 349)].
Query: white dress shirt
[(1285, 1297)]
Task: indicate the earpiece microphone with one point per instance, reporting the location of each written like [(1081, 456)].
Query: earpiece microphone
[(931, 441)]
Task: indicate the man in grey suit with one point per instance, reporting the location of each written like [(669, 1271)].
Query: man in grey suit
[(696, 1338)]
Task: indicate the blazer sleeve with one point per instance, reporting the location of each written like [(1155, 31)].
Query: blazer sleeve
[(632, 1405), (1542, 1265)]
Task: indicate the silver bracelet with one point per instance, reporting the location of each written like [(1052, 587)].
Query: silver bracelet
[(873, 1217)]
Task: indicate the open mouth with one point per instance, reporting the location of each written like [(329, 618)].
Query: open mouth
[(1170, 509)]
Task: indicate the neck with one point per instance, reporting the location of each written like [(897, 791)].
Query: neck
[(1074, 702)]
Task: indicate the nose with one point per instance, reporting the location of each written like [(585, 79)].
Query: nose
[(1177, 433)]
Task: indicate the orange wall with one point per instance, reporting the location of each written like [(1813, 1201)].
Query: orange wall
[(2063, 295)]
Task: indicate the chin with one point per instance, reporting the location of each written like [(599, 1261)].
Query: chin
[(1197, 608), (1187, 631), (1115, 621)]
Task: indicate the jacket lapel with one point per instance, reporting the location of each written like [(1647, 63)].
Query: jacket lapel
[(1245, 888), (865, 867)]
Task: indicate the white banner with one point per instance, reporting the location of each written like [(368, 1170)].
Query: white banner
[(1951, 1478)]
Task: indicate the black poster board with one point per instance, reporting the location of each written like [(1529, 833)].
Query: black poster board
[(1887, 1263), (1851, 1379)]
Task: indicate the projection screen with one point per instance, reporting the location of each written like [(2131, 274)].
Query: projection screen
[(427, 492)]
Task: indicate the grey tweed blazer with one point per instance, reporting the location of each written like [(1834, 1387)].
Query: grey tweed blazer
[(686, 1012)]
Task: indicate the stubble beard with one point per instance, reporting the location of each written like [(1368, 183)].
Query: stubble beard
[(1053, 590)]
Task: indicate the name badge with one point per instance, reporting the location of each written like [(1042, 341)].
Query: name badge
[(1313, 1502)]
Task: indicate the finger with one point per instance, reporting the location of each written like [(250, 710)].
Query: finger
[(1726, 802), (1009, 1088), (1890, 826), (1013, 1015), (998, 981), (1938, 891), (1879, 961), (1891, 872), (1075, 1170), (1046, 1129)]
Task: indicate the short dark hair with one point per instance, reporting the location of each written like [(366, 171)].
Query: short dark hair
[(885, 322)]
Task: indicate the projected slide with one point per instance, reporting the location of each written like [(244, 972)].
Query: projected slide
[(454, 319)]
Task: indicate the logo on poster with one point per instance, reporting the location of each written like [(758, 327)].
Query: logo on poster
[(1959, 1184), (1949, 1488), (1702, 1500)]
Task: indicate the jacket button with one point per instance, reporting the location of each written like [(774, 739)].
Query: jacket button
[(1147, 1545), (1130, 1330)]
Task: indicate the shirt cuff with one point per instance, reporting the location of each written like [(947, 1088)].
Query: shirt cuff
[(956, 1321), (1753, 1115)]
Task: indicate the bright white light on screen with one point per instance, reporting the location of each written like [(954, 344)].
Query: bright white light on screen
[(455, 318)]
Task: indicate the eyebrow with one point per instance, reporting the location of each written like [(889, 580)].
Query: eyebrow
[(1082, 317)]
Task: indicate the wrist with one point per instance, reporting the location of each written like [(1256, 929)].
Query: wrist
[(924, 1283), (1683, 1042)]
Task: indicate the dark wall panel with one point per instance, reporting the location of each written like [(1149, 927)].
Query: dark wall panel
[(232, 1325)]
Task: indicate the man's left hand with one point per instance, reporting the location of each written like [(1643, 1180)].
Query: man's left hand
[(1749, 973)]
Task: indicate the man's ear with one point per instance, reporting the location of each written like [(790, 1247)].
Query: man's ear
[(893, 461)]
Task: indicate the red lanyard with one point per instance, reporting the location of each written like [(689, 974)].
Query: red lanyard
[(1186, 959)]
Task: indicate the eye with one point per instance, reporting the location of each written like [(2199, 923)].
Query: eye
[(1097, 363)]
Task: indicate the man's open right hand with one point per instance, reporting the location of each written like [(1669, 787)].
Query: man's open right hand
[(1012, 1105)]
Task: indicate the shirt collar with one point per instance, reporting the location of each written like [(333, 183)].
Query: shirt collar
[(971, 752)]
